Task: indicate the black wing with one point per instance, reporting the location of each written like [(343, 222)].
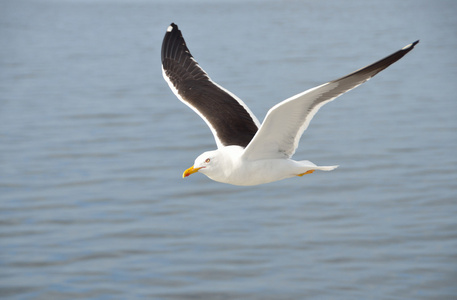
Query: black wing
[(229, 119)]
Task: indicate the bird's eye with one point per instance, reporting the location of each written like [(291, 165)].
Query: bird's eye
[(207, 160)]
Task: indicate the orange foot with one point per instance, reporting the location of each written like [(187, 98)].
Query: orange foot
[(307, 172)]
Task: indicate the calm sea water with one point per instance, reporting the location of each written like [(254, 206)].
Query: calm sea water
[(93, 144)]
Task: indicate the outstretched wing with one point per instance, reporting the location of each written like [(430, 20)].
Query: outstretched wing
[(285, 123), (230, 120)]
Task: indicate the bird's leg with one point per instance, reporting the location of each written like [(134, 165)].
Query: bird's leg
[(307, 172)]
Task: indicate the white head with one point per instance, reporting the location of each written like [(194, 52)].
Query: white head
[(217, 164), (206, 163)]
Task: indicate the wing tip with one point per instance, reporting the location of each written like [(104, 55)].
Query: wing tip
[(169, 44), (172, 27), (410, 46)]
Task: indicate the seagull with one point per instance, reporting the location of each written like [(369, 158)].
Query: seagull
[(250, 153)]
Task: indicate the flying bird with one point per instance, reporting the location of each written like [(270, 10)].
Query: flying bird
[(250, 153)]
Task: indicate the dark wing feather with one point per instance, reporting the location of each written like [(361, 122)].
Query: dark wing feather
[(285, 123), (229, 119)]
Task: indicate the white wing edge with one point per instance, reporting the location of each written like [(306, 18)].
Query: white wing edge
[(332, 85), (253, 117), (175, 91), (257, 150)]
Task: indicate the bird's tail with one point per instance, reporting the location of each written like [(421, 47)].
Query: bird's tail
[(326, 168), (307, 163)]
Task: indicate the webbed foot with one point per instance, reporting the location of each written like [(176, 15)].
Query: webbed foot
[(307, 172)]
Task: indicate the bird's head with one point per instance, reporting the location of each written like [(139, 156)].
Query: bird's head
[(205, 163)]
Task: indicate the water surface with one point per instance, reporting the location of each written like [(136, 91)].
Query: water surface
[(93, 144)]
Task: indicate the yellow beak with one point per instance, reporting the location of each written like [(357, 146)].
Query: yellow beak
[(190, 171)]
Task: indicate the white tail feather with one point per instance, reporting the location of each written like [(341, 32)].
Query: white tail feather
[(326, 168)]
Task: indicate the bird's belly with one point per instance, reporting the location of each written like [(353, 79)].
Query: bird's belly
[(259, 172)]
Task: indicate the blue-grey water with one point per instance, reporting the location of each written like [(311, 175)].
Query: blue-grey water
[(93, 144)]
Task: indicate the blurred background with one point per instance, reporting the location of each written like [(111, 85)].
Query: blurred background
[(93, 144)]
